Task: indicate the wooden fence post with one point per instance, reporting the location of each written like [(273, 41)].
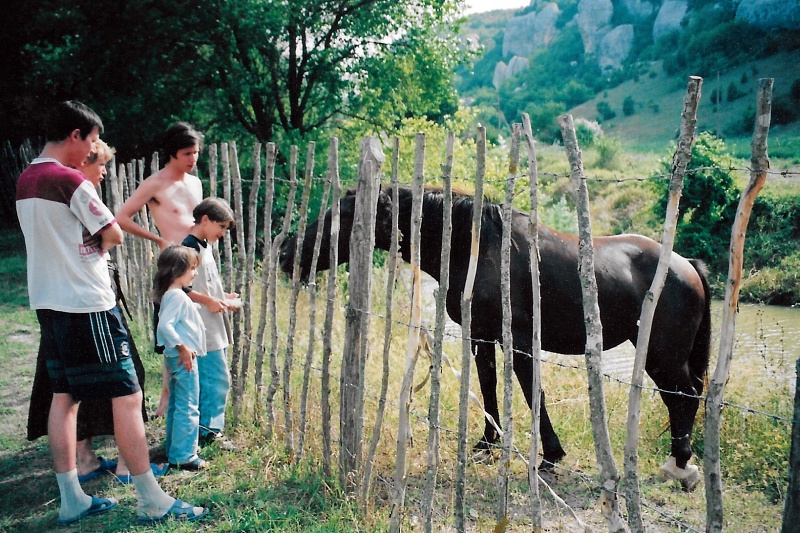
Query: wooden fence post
[(298, 254), (391, 279), (460, 504), (413, 342), (436, 364), (536, 333), (275, 250), (683, 155), (267, 271), (246, 339), (356, 344), (333, 262), (759, 163), (239, 283), (508, 338), (312, 312), (609, 502)]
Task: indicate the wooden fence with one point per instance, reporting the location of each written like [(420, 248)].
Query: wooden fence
[(265, 330)]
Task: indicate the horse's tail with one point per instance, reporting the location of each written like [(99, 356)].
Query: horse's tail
[(701, 349)]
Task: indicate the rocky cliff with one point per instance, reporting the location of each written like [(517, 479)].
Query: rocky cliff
[(610, 45)]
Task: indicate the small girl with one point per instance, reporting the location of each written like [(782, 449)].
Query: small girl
[(182, 333)]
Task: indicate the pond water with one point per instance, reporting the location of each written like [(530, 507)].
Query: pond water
[(766, 346)]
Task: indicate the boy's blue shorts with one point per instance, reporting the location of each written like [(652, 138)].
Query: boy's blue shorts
[(87, 354)]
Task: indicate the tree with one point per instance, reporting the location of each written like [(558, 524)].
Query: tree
[(628, 106), (276, 70)]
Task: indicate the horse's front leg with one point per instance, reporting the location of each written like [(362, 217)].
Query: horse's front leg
[(552, 452), (487, 377)]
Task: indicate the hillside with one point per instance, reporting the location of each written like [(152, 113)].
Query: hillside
[(659, 101), (545, 63)]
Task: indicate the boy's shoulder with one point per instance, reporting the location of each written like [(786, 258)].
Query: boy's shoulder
[(194, 242)]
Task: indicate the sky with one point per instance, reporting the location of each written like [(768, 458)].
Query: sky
[(479, 6)]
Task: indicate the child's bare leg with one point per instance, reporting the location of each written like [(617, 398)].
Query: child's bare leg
[(163, 401)]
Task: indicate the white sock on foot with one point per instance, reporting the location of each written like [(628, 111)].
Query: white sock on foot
[(73, 500), (153, 501)]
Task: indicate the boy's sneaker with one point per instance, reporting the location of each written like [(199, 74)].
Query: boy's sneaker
[(219, 439)]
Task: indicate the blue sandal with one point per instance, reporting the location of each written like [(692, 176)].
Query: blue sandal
[(158, 471), (105, 466), (98, 506), (180, 511)]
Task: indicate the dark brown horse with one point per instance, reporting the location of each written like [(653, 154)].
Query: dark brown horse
[(624, 266)]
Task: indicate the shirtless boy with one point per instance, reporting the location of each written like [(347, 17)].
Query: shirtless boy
[(172, 193)]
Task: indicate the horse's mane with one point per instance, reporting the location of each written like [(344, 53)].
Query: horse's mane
[(463, 201)]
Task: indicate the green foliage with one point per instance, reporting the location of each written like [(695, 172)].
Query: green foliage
[(608, 148), (277, 71), (628, 106), (707, 206), (606, 113), (734, 93)]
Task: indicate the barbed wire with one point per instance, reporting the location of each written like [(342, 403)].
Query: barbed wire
[(607, 376), (591, 482)]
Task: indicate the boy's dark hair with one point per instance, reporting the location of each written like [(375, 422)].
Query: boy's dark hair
[(179, 136), (69, 116), (215, 209)]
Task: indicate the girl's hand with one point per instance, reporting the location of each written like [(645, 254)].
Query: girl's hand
[(186, 357)]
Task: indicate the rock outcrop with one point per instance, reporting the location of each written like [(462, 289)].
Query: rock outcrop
[(615, 47), (594, 22), (669, 18), (770, 14), (525, 34), (639, 9)]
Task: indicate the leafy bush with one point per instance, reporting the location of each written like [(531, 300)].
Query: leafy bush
[(608, 148), (628, 106), (606, 113), (708, 204)]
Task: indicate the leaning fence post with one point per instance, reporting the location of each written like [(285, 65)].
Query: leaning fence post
[(466, 343), (683, 155), (536, 333), (609, 502), (759, 164), (356, 345), (413, 342)]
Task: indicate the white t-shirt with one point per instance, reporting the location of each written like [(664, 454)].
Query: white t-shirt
[(58, 209)]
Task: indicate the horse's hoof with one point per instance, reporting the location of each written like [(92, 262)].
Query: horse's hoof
[(483, 456), (689, 476)]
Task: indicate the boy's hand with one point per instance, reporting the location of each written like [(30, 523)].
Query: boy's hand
[(233, 301), (186, 357), (216, 306)]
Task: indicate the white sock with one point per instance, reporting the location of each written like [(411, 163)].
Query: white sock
[(73, 500), (153, 501)]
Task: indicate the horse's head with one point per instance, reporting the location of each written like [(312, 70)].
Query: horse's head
[(347, 204)]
